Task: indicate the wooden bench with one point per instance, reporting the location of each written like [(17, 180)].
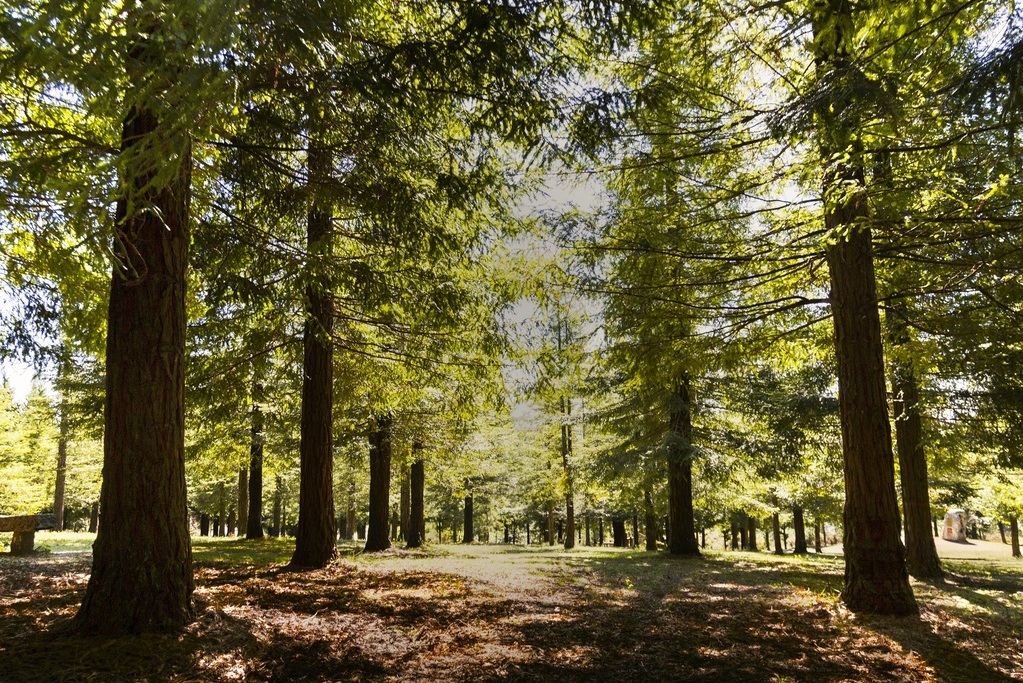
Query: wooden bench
[(24, 528)]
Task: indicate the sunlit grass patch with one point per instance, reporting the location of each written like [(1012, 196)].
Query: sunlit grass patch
[(239, 551)]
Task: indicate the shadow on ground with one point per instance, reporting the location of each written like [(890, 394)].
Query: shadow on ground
[(588, 616)]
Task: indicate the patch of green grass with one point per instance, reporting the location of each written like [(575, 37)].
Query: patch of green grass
[(239, 551), (63, 541)]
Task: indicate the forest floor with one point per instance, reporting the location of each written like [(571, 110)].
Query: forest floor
[(498, 613)]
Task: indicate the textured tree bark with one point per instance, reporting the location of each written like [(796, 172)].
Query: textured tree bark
[(417, 486), (467, 530), (379, 484), (876, 580), (243, 500), (404, 504), (550, 523), (681, 524), (921, 555), (142, 559), (254, 518), (776, 534), (278, 512), (618, 531), (649, 520), (1014, 535), (799, 526), (566, 461), (61, 483), (221, 523), (316, 540)]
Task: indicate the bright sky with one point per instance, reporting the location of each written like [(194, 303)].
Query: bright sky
[(19, 376)]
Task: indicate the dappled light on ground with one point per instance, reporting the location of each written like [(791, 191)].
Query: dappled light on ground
[(480, 613)]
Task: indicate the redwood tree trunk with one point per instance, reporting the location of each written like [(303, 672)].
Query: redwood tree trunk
[(404, 508), (379, 485), (566, 460), (618, 531), (467, 530), (550, 523), (1014, 535), (141, 577), (417, 485), (799, 525), (243, 500), (876, 580), (649, 521), (921, 555), (776, 533), (254, 526), (278, 508), (681, 523), (221, 524), (316, 540), (61, 482)]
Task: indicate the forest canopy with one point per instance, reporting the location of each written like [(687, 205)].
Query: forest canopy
[(298, 270)]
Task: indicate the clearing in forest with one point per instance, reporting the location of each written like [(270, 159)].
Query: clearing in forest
[(498, 613)]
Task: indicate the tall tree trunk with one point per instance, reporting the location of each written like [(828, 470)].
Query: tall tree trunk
[(921, 555), (566, 461), (221, 510), (876, 580), (204, 524), (243, 500), (404, 504), (649, 520), (61, 482), (776, 532), (618, 531), (417, 485), (94, 518), (141, 577), (278, 507), (316, 540), (467, 531), (681, 524), (1014, 535), (751, 532), (635, 529), (379, 484), (550, 523), (588, 539), (817, 537), (799, 525), (254, 518), (1001, 531)]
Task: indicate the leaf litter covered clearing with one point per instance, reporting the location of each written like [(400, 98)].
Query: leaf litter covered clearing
[(492, 613)]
